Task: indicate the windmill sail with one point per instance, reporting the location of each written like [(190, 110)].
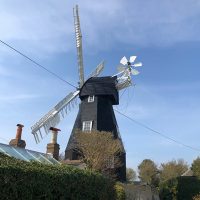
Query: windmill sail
[(98, 70), (54, 116), (79, 45)]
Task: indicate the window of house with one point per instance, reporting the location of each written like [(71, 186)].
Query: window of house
[(87, 126), (91, 99)]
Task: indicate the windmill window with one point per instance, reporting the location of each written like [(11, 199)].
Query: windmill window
[(110, 162), (87, 126), (91, 99)]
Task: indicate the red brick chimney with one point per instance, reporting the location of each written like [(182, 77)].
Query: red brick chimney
[(53, 148), (18, 142)]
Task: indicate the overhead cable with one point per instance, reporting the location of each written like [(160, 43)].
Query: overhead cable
[(36, 63), (157, 132)]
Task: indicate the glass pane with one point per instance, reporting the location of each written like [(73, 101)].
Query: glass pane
[(27, 155)]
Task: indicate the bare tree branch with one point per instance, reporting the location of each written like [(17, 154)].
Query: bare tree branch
[(99, 150)]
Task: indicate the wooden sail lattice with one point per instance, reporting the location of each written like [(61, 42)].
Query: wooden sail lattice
[(54, 116)]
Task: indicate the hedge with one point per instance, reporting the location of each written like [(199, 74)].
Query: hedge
[(188, 187), (34, 181), (181, 188)]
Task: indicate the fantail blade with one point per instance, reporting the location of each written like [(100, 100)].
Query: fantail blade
[(134, 72), (132, 59), (124, 61), (121, 68), (137, 64)]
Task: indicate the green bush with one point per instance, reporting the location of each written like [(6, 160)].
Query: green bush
[(34, 181), (168, 189), (187, 187), (120, 191), (181, 188)]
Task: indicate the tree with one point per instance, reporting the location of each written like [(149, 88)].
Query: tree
[(172, 169), (196, 197), (130, 175), (196, 167), (99, 150), (148, 172)]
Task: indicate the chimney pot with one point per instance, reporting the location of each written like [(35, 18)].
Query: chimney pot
[(18, 142), (54, 129), (19, 131), (53, 147), (54, 135), (20, 125)]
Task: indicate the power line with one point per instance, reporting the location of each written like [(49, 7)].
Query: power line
[(157, 132), (131, 119), (36, 63)]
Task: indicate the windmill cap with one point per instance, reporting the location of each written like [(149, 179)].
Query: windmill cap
[(101, 86), (54, 129)]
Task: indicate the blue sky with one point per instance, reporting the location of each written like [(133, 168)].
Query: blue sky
[(163, 34)]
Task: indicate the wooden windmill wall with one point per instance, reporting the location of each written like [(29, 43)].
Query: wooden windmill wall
[(97, 95)]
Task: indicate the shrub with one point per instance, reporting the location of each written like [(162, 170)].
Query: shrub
[(181, 188), (196, 197), (31, 181), (120, 191), (168, 189)]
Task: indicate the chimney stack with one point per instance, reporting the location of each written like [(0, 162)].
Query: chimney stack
[(53, 148), (19, 131), (18, 142)]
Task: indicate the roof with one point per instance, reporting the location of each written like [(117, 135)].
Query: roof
[(101, 86), (189, 172), (27, 155)]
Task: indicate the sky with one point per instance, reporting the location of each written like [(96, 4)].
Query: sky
[(164, 35)]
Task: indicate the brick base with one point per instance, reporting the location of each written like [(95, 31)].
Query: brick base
[(17, 143), (53, 149)]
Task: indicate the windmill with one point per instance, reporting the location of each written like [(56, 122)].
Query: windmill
[(97, 95)]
